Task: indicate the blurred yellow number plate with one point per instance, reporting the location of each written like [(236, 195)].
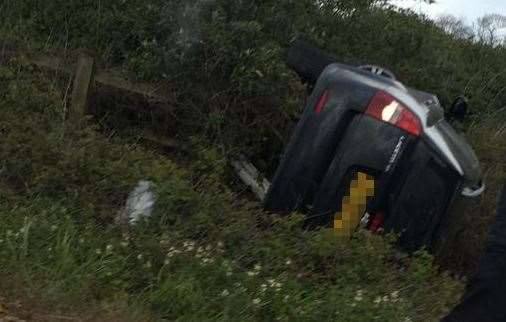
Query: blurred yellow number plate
[(353, 205)]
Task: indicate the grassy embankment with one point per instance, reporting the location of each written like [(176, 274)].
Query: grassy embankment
[(208, 253)]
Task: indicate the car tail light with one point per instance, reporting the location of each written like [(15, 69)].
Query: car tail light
[(322, 102), (377, 222), (386, 108)]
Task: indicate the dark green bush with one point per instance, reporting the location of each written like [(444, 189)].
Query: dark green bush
[(204, 255), (224, 61), (226, 58)]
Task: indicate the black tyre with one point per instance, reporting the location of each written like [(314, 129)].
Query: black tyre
[(307, 60)]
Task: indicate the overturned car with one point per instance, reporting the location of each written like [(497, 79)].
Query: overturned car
[(370, 152)]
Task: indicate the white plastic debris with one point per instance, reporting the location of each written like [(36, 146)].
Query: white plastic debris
[(251, 177), (140, 203)]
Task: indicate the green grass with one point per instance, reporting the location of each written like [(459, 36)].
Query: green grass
[(205, 255), (63, 184), (470, 220)]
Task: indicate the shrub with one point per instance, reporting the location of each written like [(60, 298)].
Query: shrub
[(204, 255)]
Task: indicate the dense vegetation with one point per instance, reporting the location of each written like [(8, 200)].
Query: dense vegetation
[(205, 255), (209, 254), (225, 59)]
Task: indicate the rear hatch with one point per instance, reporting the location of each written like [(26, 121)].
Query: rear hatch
[(445, 140)]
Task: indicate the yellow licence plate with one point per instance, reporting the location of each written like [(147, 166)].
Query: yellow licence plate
[(354, 204)]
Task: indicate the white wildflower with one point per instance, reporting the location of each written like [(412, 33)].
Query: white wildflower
[(359, 296), (208, 260)]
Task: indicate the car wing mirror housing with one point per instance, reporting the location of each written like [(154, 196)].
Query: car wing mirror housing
[(459, 109)]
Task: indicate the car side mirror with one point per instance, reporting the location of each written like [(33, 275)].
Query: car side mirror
[(459, 109)]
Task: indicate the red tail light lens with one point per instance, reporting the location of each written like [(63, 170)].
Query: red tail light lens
[(377, 222), (386, 108), (322, 102)]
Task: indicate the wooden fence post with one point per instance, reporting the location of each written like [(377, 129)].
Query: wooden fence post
[(82, 83)]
